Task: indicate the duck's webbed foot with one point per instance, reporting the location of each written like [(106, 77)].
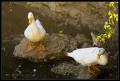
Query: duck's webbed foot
[(41, 47), (30, 47)]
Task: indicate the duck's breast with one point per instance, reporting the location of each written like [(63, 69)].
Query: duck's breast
[(32, 33)]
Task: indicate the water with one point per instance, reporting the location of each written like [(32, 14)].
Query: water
[(14, 22)]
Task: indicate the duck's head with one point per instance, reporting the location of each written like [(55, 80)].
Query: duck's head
[(30, 17), (102, 57)]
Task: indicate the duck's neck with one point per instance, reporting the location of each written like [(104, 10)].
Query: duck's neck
[(103, 60), (33, 21)]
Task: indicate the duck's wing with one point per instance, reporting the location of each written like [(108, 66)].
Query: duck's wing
[(40, 27), (87, 50)]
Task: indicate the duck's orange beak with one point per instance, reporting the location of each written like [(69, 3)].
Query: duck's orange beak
[(30, 20)]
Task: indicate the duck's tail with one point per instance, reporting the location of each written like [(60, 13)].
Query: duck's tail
[(68, 54)]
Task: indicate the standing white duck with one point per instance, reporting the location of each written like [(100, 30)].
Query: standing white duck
[(34, 33), (90, 56)]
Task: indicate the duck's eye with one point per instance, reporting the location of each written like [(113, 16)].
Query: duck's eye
[(101, 51)]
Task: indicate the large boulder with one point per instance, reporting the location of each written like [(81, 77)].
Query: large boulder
[(76, 71), (57, 45)]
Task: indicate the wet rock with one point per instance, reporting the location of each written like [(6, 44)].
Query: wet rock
[(75, 70), (56, 46)]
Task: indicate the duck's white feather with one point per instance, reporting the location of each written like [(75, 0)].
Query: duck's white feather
[(40, 27), (35, 31), (86, 56)]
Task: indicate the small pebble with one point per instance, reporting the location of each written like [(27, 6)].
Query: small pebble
[(3, 49), (6, 74), (11, 10), (19, 66), (60, 31), (34, 70), (2, 13), (20, 72), (34, 75), (53, 65)]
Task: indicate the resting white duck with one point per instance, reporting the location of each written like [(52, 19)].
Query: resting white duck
[(90, 56), (34, 33)]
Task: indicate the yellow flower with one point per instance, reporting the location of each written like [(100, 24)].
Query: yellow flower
[(109, 24), (106, 22), (106, 26), (109, 35), (111, 4), (116, 17), (104, 35), (109, 13), (98, 37), (111, 19)]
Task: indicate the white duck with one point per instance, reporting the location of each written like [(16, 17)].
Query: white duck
[(90, 56), (34, 32)]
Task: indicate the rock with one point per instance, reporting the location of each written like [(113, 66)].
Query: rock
[(56, 46), (86, 45), (83, 41), (52, 6), (76, 71), (90, 14), (81, 38), (74, 13)]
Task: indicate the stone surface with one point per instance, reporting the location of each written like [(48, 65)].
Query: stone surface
[(56, 46), (76, 71), (81, 15)]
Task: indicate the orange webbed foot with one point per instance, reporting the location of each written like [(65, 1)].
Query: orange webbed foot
[(30, 47), (41, 47)]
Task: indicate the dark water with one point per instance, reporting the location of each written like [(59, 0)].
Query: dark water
[(14, 22)]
